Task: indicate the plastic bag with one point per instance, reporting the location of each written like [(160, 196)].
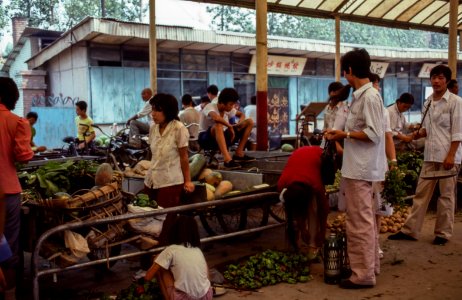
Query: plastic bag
[(150, 225)]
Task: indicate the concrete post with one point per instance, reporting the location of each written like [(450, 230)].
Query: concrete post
[(261, 8)]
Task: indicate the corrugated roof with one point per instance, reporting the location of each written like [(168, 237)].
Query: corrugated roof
[(113, 32), (428, 15)]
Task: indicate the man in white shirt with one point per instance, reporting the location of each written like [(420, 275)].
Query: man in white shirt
[(364, 162), (398, 120), (251, 112), (442, 129), (217, 132), (212, 93), (191, 119), (138, 127)]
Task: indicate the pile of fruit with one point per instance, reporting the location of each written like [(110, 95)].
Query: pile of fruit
[(390, 224), (268, 268)]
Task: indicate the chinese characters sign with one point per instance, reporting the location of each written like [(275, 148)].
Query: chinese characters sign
[(425, 71), (379, 68), (280, 65)]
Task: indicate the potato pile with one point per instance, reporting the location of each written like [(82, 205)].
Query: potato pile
[(394, 222), (391, 224)]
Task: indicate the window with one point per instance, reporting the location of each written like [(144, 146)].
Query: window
[(219, 63), (245, 87)]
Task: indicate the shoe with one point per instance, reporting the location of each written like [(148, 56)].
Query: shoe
[(231, 165), (401, 236), (243, 159), (347, 284), (380, 253), (440, 241)]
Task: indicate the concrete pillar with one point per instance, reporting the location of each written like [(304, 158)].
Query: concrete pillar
[(261, 8), (33, 86)]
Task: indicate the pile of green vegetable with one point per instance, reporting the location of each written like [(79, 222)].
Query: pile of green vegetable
[(402, 180), (150, 290), (55, 177), (143, 200), (268, 268)]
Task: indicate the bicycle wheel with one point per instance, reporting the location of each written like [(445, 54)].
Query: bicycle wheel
[(278, 212)]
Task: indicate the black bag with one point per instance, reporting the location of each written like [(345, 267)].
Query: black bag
[(329, 163)]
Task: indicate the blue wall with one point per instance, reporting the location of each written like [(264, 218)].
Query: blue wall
[(54, 123)]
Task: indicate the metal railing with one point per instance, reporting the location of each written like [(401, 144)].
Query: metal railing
[(246, 201)]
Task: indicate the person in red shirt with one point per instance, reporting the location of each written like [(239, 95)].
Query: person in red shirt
[(304, 199), (15, 137)]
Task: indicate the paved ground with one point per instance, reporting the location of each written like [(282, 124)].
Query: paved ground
[(410, 270)]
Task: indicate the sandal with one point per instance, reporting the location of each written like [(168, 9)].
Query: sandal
[(218, 291)]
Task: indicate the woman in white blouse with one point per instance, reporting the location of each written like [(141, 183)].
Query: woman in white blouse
[(168, 174)]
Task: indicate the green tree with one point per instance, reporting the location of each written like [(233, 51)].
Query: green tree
[(242, 20), (229, 18), (63, 14)]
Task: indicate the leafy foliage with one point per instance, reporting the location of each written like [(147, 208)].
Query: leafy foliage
[(63, 14), (227, 18), (268, 268)]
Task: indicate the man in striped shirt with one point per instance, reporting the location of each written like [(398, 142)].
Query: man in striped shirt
[(364, 162), (442, 129)]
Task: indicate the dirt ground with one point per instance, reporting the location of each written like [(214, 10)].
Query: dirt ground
[(410, 270)]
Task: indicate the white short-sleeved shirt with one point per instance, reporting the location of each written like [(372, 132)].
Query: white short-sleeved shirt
[(365, 160), (146, 112), (330, 114), (250, 112), (207, 121), (341, 117), (165, 169), (191, 116), (443, 124), (188, 267), (397, 121)]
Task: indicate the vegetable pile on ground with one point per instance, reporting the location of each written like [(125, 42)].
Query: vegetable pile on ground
[(150, 290), (394, 222), (390, 224), (55, 177), (268, 268)]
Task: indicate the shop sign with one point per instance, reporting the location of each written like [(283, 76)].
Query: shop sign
[(379, 68), (425, 70), (280, 65)]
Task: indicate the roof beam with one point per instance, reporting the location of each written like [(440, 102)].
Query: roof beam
[(314, 13)]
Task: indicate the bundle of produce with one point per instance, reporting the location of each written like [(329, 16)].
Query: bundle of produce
[(151, 226), (268, 268), (332, 188), (54, 177), (394, 189)]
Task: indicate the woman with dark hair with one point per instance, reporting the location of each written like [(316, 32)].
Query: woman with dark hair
[(15, 136), (168, 174), (181, 268)]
